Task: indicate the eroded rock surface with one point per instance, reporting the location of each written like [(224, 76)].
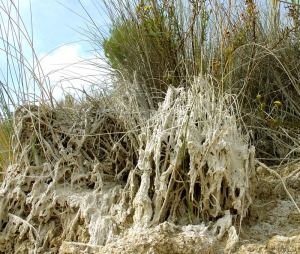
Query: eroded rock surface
[(183, 180)]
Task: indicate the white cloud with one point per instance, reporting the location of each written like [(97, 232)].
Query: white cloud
[(69, 72)]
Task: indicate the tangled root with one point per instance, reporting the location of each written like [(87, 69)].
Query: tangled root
[(87, 179), (194, 163)]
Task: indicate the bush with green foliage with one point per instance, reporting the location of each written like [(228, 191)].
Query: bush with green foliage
[(250, 48), (155, 43)]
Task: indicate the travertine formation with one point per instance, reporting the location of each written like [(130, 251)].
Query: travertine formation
[(95, 175)]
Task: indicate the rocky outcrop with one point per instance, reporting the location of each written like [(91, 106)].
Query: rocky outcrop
[(107, 180)]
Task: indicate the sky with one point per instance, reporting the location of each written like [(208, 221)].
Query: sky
[(59, 41)]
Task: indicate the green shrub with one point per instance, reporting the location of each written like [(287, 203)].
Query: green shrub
[(149, 41), (247, 47)]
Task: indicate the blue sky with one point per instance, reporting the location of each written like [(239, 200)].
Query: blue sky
[(55, 21), (56, 27)]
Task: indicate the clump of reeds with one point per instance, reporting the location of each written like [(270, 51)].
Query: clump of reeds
[(250, 48), (22, 80)]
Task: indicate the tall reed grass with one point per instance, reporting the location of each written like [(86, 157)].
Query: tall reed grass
[(22, 81), (250, 48)]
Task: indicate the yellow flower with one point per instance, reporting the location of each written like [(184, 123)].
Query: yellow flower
[(258, 97), (277, 103), (147, 8)]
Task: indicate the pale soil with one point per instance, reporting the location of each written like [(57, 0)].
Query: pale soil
[(273, 226), (274, 223), (75, 191)]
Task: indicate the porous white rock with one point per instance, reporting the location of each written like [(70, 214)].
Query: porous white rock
[(89, 183)]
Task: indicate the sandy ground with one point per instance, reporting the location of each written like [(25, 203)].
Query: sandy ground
[(273, 226)]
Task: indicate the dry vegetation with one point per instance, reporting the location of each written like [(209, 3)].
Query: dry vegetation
[(197, 142)]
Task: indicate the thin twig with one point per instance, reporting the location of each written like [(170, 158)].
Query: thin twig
[(286, 190)]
